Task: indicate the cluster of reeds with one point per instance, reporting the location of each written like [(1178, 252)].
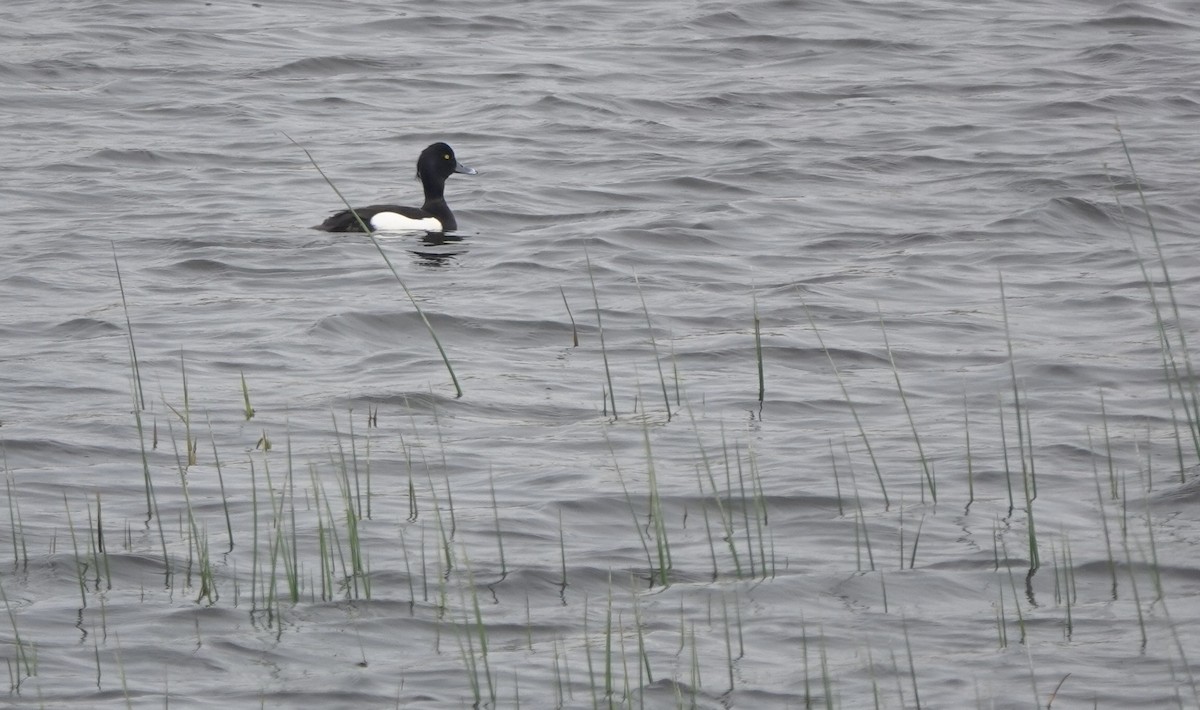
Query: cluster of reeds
[(302, 532)]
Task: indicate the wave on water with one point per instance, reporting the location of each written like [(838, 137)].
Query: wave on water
[(769, 327)]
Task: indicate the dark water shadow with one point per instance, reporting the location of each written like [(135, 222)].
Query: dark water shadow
[(439, 249)]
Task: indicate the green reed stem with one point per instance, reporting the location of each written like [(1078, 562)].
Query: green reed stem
[(970, 463), (16, 523), (496, 519), (1012, 583), (837, 481), (480, 628), (247, 410), (1155, 570), (860, 519), (728, 643), (850, 402), (662, 544), (1004, 450), (185, 415), (1171, 374), (151, 496), (637, 526), (1162, 260), (912, 423), (1012, 369), (562, 553), (662, 379), (1137, 599), (22, 650), (1030, 494), (220, 482), (1001, 620), (365, 228), (883, 590), (587, 647), (1187, 667), (758, 350), (612, 395), (574, 329), (912, 560), (254, 578), (80, 564), (912, 666), (643, 654), (826, 676), (133, 359), (100, 550), (608, 649), (726, 515), (761, 520), (745, 511), (443, 536), (324, 548)]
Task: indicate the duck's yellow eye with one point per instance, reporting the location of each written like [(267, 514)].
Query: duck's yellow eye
[(446, 156)]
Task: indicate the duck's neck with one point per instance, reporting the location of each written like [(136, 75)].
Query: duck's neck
[(434, 189), (435, 203)]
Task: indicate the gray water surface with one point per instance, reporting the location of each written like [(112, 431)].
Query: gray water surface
[(925, 207)]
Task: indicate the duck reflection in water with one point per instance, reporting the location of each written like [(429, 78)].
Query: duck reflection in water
[(441, 249)]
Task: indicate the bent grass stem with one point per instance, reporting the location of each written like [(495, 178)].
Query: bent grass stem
[(370, 235)]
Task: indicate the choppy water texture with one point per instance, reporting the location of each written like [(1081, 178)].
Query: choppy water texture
[(619, 522)]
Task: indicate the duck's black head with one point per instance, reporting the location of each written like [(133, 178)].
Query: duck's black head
[(437, 162)]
